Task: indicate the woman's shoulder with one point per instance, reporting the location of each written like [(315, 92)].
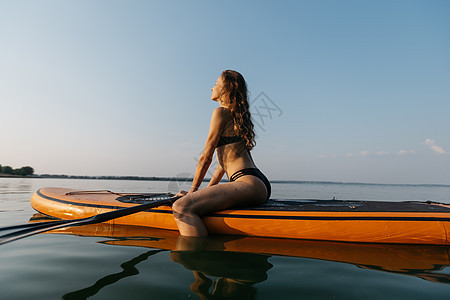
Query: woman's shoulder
[(222, 113)]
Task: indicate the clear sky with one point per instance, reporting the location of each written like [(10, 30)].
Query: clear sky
[(353, 91)]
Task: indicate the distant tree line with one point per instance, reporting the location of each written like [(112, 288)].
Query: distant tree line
[(24, 171)]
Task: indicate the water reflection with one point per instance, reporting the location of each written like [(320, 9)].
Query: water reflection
[(236, 272), (128, 269), (230, 266)]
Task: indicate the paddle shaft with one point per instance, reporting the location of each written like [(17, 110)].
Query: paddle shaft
[(104, 217)]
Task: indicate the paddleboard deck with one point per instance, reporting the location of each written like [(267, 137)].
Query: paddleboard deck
[(330, 220)]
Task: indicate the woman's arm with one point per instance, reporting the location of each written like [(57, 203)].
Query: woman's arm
[(215, 130), (217, 176)]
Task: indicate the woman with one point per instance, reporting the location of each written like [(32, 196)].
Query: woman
[(231, 135)]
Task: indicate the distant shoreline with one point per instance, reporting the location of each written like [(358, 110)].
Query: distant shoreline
[(153, 178), (184, 179), (12, 176)]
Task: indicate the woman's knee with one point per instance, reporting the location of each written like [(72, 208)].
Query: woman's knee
[(183, 207)]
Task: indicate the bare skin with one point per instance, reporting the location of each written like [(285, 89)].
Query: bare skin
[(245, 191)]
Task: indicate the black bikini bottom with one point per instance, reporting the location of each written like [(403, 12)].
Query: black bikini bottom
[(254, 172)]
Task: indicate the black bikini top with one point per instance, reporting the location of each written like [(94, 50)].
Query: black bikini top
[(225, 140)]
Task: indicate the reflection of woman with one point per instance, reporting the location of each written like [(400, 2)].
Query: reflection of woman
[(231, 134), (237, 272)]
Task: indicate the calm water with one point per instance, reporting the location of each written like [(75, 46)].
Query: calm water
[(131, 263)]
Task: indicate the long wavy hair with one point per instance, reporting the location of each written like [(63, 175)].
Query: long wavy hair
[(235, 90)]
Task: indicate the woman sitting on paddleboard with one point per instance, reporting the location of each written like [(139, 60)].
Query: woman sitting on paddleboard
[(231, 134)]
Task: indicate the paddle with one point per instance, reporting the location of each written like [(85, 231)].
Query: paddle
[(35, 228)]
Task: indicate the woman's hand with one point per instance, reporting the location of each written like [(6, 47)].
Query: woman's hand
[(181, 193)]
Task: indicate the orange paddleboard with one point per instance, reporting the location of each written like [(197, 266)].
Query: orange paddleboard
[(330, 220)]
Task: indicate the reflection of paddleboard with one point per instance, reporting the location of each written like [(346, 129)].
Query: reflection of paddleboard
[(350, 221), (416, 260)]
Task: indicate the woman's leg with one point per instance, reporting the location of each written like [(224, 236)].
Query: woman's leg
[(188, 210)]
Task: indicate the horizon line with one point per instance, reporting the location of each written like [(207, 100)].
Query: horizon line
[(170, 178)]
